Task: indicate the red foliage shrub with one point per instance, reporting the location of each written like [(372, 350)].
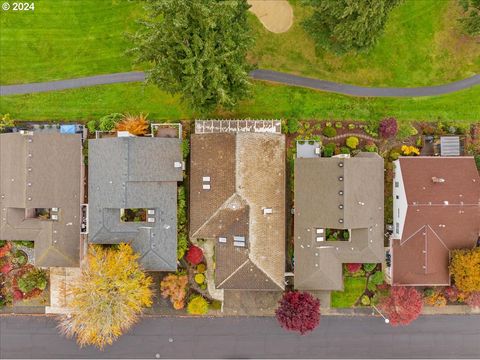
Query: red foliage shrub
[(388, 128), (298, 311), (17, 295), (451, 293), (473, 300), (353, 267), (402, 305), (5, 249), (6, 268), (194, 255)]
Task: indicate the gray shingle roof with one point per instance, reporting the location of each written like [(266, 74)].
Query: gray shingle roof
[(136, 172), (328, 195)]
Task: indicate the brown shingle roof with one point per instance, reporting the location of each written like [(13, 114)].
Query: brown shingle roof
[(441, 216), (247, 174), (42, 170)]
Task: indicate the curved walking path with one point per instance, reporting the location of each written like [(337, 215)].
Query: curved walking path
[(267, 75)]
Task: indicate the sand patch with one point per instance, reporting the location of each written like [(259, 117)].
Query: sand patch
[(275, 15)]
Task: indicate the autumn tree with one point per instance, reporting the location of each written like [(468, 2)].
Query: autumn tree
[(465, 269), (194, 255), (344, 25), (197, 49), (401, 305), (388, 127), (298, 311), (134, 124), (108, 297), (174, 286)]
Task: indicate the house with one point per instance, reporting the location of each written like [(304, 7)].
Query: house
[(132, 196), (436, 203), (237, 199), (41, 189), (338, 217)]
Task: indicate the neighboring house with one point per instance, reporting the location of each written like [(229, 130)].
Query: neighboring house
[(436, 203), (132, 196), (334, 195), (237, 199), (40, 194)]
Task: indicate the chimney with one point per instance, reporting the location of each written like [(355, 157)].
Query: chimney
[(438, 180)]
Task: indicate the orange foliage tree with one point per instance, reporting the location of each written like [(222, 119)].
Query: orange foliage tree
[(465, 269), (175, 287), (134, 124)]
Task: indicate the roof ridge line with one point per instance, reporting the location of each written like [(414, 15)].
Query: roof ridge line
[(415, 233), (233, 273), (438, 237)]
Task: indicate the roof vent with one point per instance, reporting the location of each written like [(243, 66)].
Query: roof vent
[(267, 211), (340, 178), (340, 164), (206, 183), (340, 221), (222, 240), (340, 206), (177, 164), (438, 180), (445, 202), (239, 241), (340, 192)]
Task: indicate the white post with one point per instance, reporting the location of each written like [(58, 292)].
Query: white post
[(384, 318)]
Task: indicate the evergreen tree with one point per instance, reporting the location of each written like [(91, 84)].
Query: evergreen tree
[(197, 49), (343, 25), (471, 22)]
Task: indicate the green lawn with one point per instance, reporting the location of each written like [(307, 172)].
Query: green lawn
[(268, 101), (421, 46), (353, 288), (65, 39)]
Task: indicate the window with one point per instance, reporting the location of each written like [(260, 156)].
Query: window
[(397, 228), (397, 197), (398, 212), (397, 184)]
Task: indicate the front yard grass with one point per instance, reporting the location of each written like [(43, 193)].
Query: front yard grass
[(353, 289), (267, 101), (421, 46)]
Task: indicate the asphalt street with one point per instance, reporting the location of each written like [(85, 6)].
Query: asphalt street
[(336, 337), (259, 74)]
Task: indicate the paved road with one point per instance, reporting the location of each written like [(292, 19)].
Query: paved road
[(337, 337), (267, 75)]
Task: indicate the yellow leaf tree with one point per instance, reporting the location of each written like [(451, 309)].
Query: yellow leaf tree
[(108, 297), (465, 269)]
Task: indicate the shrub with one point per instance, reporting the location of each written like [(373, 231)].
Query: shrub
[(365, 300), (20, 258), (352, 142), (344, 150), (329, 149), (353, 267), (329, 132), (134, 124), (298, 311), (182, 237), (451, 293), (6, 121), (197, 305), (215, 305), (473, 300), (351, 126), (435, 298), (108, 297), (394, 155), (369, 267), (464, 265), (388, 128), (371, 147), (6, 268), (201, 268), (410, 150), (185, 148), (405, 131), (17, 295), (105, 123), (5, 249), (402, 305), (292, 126), (194, 255), (175, 287), (199, 279), (34, 279), (338, 125), (376, 278)]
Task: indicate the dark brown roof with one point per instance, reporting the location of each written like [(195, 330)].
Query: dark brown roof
[(441, 216), (247, 174), (42, 170)]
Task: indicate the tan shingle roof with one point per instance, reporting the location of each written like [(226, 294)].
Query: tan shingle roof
[(247, 174)]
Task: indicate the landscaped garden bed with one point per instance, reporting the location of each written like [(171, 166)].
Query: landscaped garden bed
[(22, 283)]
